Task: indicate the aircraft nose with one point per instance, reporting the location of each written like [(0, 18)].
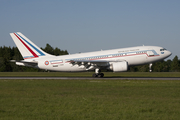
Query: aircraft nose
[(169, 53)]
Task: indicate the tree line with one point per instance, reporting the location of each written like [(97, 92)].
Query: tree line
[(8, 53), (161, 66), (12, 53)]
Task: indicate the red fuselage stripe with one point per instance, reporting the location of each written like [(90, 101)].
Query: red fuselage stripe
[(118, 56), (33, 53)]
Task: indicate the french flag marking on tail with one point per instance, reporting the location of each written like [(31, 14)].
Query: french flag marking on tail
[(27, 48)]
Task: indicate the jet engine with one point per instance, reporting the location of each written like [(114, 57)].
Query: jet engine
[(119, 66)]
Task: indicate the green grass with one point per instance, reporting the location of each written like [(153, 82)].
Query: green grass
[(89, 74), (90, 99)]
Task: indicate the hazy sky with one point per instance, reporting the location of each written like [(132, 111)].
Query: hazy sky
[(84, 26)]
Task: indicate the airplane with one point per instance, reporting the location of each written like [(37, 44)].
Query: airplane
[(116, 60)]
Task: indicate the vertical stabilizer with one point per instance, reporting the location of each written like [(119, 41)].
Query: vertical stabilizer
[(27, 48)]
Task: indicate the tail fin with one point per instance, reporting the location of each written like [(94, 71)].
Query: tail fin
[(27, 48)]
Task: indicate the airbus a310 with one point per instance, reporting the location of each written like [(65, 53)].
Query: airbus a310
[(116, 60)]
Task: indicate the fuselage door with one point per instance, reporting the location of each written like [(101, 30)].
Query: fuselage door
[(56, 63), (150, 53)]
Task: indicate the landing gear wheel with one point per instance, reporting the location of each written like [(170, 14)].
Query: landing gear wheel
[(94, 75), (100, 75)]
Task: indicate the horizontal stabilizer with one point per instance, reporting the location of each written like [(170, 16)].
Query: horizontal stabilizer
[(25, 63)]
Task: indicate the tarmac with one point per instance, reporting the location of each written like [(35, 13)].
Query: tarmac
[(90, 78)]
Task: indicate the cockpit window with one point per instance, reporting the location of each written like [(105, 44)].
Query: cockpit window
[(163, 49)]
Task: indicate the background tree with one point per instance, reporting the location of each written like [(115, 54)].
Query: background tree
[(48, 49), (175, 66)]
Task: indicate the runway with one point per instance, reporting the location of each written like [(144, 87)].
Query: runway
[(89, 78)]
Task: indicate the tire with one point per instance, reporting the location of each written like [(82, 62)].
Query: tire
[(100, 75), (94, 75)]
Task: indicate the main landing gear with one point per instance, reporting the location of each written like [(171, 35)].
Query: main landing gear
[(98, 73)]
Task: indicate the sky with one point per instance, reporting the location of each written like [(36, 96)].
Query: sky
[(85, 26)]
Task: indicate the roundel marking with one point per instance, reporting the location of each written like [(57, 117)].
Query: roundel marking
[(46, 62)]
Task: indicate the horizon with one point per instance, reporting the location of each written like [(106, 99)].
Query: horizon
[(84, 26)]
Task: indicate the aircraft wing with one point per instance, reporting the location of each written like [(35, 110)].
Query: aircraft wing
[(91, 64)]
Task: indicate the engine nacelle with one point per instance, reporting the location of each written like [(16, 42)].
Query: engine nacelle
[(119, 66)]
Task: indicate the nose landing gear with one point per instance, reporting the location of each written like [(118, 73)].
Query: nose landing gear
[(150, 65)]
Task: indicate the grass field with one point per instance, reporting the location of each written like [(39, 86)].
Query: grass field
[(90, 99), (89, 74)]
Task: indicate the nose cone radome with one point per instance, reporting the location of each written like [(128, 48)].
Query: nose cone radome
[(168, 53)]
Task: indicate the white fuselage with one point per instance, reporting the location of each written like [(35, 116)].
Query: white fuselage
[(133, 56)]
